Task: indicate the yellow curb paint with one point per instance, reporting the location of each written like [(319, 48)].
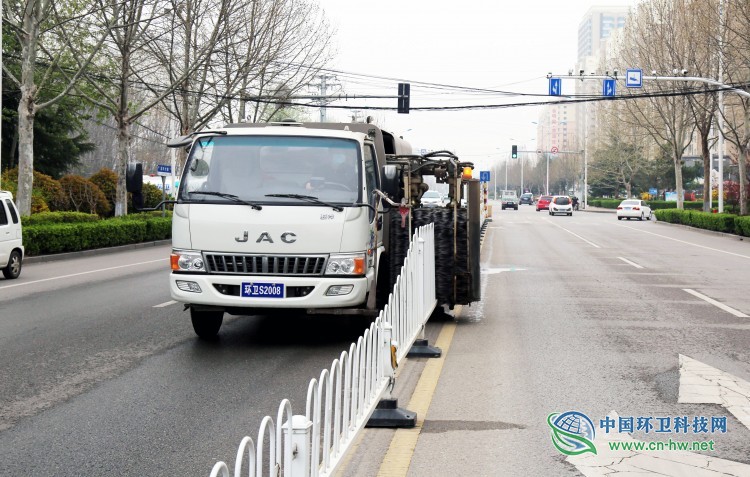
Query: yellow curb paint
[(401, 450)]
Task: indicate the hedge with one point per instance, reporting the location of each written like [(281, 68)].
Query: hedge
[(49, 238), (726, 223), (58, 218), (654, 204)]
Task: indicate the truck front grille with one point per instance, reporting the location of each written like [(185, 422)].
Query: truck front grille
[(298, 265)]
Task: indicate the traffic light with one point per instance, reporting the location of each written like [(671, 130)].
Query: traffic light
[(403, 98), (514, 152)]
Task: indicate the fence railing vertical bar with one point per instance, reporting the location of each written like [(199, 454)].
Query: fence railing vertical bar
[(284, 408), (340, 402)]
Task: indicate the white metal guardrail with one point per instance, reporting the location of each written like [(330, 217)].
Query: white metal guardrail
[(341, 400)]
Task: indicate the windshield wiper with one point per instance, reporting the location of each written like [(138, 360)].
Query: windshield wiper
[(227, 196), (307, 198)]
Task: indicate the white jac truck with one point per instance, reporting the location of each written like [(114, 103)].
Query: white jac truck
[(304, 216)]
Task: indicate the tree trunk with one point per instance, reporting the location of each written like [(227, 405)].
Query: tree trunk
[(678, 182), (123, 140), (706, 153), (742, 168), (25, 152), (26, 108)]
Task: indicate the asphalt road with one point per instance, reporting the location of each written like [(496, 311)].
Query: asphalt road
[(101, 375), (580, 312)]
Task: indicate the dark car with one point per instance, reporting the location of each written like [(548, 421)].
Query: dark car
[(526, 198), (543, 203)]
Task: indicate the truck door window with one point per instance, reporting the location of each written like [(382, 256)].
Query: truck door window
[(3, 215), (371, 177)]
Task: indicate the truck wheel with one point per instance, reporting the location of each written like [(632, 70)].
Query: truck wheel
[(206, 323), (13, 269)]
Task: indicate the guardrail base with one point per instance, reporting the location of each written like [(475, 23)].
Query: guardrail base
[(388, 414), (421, 349)]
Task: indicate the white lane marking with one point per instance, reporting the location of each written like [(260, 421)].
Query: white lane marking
[(574, 234), (687, 243), (629, 262), (166, 303), (704, 384), (83, 273), (717, 304), (627, 460)]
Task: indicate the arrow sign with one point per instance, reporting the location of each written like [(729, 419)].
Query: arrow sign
[(703, 384), (609, 87), (634, 78), (555, 86)]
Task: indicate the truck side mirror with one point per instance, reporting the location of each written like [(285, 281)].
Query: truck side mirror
[(390, 182)]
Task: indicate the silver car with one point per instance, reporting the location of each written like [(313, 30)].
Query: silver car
[(432, 198)]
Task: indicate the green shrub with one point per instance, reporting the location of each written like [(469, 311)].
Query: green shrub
[(742, 225), (59, 218), (704, 220), (47, 238)]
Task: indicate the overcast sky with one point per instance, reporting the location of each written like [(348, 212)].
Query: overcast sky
[(470, 43)]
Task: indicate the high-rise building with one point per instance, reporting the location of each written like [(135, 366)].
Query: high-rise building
[(596, 27)]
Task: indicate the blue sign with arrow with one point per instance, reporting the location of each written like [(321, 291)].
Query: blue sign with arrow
[(609, 87), (484, 176), (555, 86)]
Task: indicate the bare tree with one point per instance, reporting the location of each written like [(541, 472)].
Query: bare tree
[(700, 18), (656, 40), (736, 52), (42, 28), (270, 50), (134, 27)]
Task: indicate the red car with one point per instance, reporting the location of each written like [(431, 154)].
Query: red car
[(543, 202)]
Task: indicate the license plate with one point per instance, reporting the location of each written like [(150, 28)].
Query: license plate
[(262, 290), (627, 208)]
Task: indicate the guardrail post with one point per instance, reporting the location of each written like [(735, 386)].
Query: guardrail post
[(421, 347), (300, 438), (387, 413)]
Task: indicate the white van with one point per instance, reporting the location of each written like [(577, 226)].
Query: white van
[(11, 245)]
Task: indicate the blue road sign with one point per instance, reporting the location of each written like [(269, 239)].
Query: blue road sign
[(484, 176), (163, 170), (653, 191), (634, 78), (555, 86), (609, 87)]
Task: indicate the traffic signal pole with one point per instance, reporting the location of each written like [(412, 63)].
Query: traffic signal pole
[(684, 78)]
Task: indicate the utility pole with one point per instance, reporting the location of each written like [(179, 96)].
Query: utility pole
[(322, 96)]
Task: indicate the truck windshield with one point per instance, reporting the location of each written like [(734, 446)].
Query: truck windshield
[(254, 167)]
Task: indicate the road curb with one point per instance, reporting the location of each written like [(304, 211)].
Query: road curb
[(94, 252)]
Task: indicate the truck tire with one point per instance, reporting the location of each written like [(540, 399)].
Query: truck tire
[(206, 323), (13, 269)]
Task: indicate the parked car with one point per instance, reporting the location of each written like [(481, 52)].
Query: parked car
[(634, 209), (543, 202), (432, 198), (11, 245), (526, 198), (561, 204)]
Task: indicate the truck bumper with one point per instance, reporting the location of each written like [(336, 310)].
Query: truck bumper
[(299, 292)]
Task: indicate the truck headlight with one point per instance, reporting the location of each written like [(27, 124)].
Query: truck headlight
[(346, 264), (187, 261)]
